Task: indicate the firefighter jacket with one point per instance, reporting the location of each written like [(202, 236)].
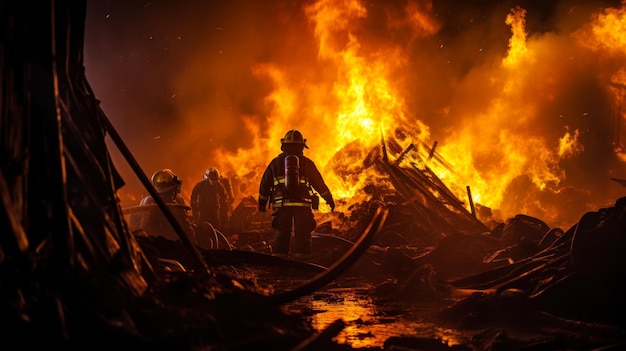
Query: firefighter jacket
[(154, 222), (272, 188), (208, 202)]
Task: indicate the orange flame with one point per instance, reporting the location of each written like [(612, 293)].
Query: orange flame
[(354, 107), (495, 153), (518, 51), (605, 36), (512, 124), (606, 31)]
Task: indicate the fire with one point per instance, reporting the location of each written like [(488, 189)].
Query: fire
[(357, 105), (497, 147), (569, 144), (604, 35), (514, 124), (368, 103), (606, 31), (518, 51)]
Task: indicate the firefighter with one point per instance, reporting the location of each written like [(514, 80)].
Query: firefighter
[(168, 185), (288, 185), (209, 200), (226, 211), (152, 220)]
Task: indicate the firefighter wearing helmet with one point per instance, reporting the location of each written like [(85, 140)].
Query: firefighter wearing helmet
[(225, 210), (210, 200), (152, 221), (212, 173), (165, 181), (288, 185)]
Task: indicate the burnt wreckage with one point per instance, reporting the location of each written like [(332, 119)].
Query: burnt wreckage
[(72, 273)]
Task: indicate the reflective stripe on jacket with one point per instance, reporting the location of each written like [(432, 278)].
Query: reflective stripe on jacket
[(272, 187)]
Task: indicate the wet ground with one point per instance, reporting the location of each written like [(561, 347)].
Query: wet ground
[(368, 318), (369, 323), (472, 290)]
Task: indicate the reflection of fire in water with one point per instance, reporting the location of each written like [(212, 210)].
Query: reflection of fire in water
[(368, 325)]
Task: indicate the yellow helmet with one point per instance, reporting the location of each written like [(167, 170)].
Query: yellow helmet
[(294, 137), (165, 180), (212, 173)]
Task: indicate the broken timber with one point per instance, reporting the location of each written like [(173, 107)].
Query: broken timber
[(434, 206)]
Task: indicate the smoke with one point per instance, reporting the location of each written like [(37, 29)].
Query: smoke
[(192, 84)]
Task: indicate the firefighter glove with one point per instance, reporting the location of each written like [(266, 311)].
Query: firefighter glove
[(331, 203)]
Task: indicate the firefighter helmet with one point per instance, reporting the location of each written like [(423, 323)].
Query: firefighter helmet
[(212, 173), (165, 180), (294, 137)]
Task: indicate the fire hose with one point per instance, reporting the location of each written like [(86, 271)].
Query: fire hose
[(342, 265)]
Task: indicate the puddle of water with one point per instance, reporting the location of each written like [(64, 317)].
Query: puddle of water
[(370, 324)]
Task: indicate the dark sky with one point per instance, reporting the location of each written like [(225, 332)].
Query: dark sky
[(190, 84)]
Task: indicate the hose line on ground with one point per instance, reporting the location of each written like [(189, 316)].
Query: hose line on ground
[(339, 267)]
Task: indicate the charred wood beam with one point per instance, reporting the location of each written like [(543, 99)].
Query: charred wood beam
[(428, 182), (404, 153), (430, 210), (383, 146), (432, 150), (422, 202), (471, 201), (452, 200), (442, 189), (436, 156), (439, 196)]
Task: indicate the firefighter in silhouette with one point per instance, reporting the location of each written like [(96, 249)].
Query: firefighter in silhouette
[(288, 185), (226, 211), (152, 220), (209, 200)]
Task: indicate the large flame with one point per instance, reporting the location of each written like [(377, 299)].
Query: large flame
[(357, 103), (498, 144), (524, 126)]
